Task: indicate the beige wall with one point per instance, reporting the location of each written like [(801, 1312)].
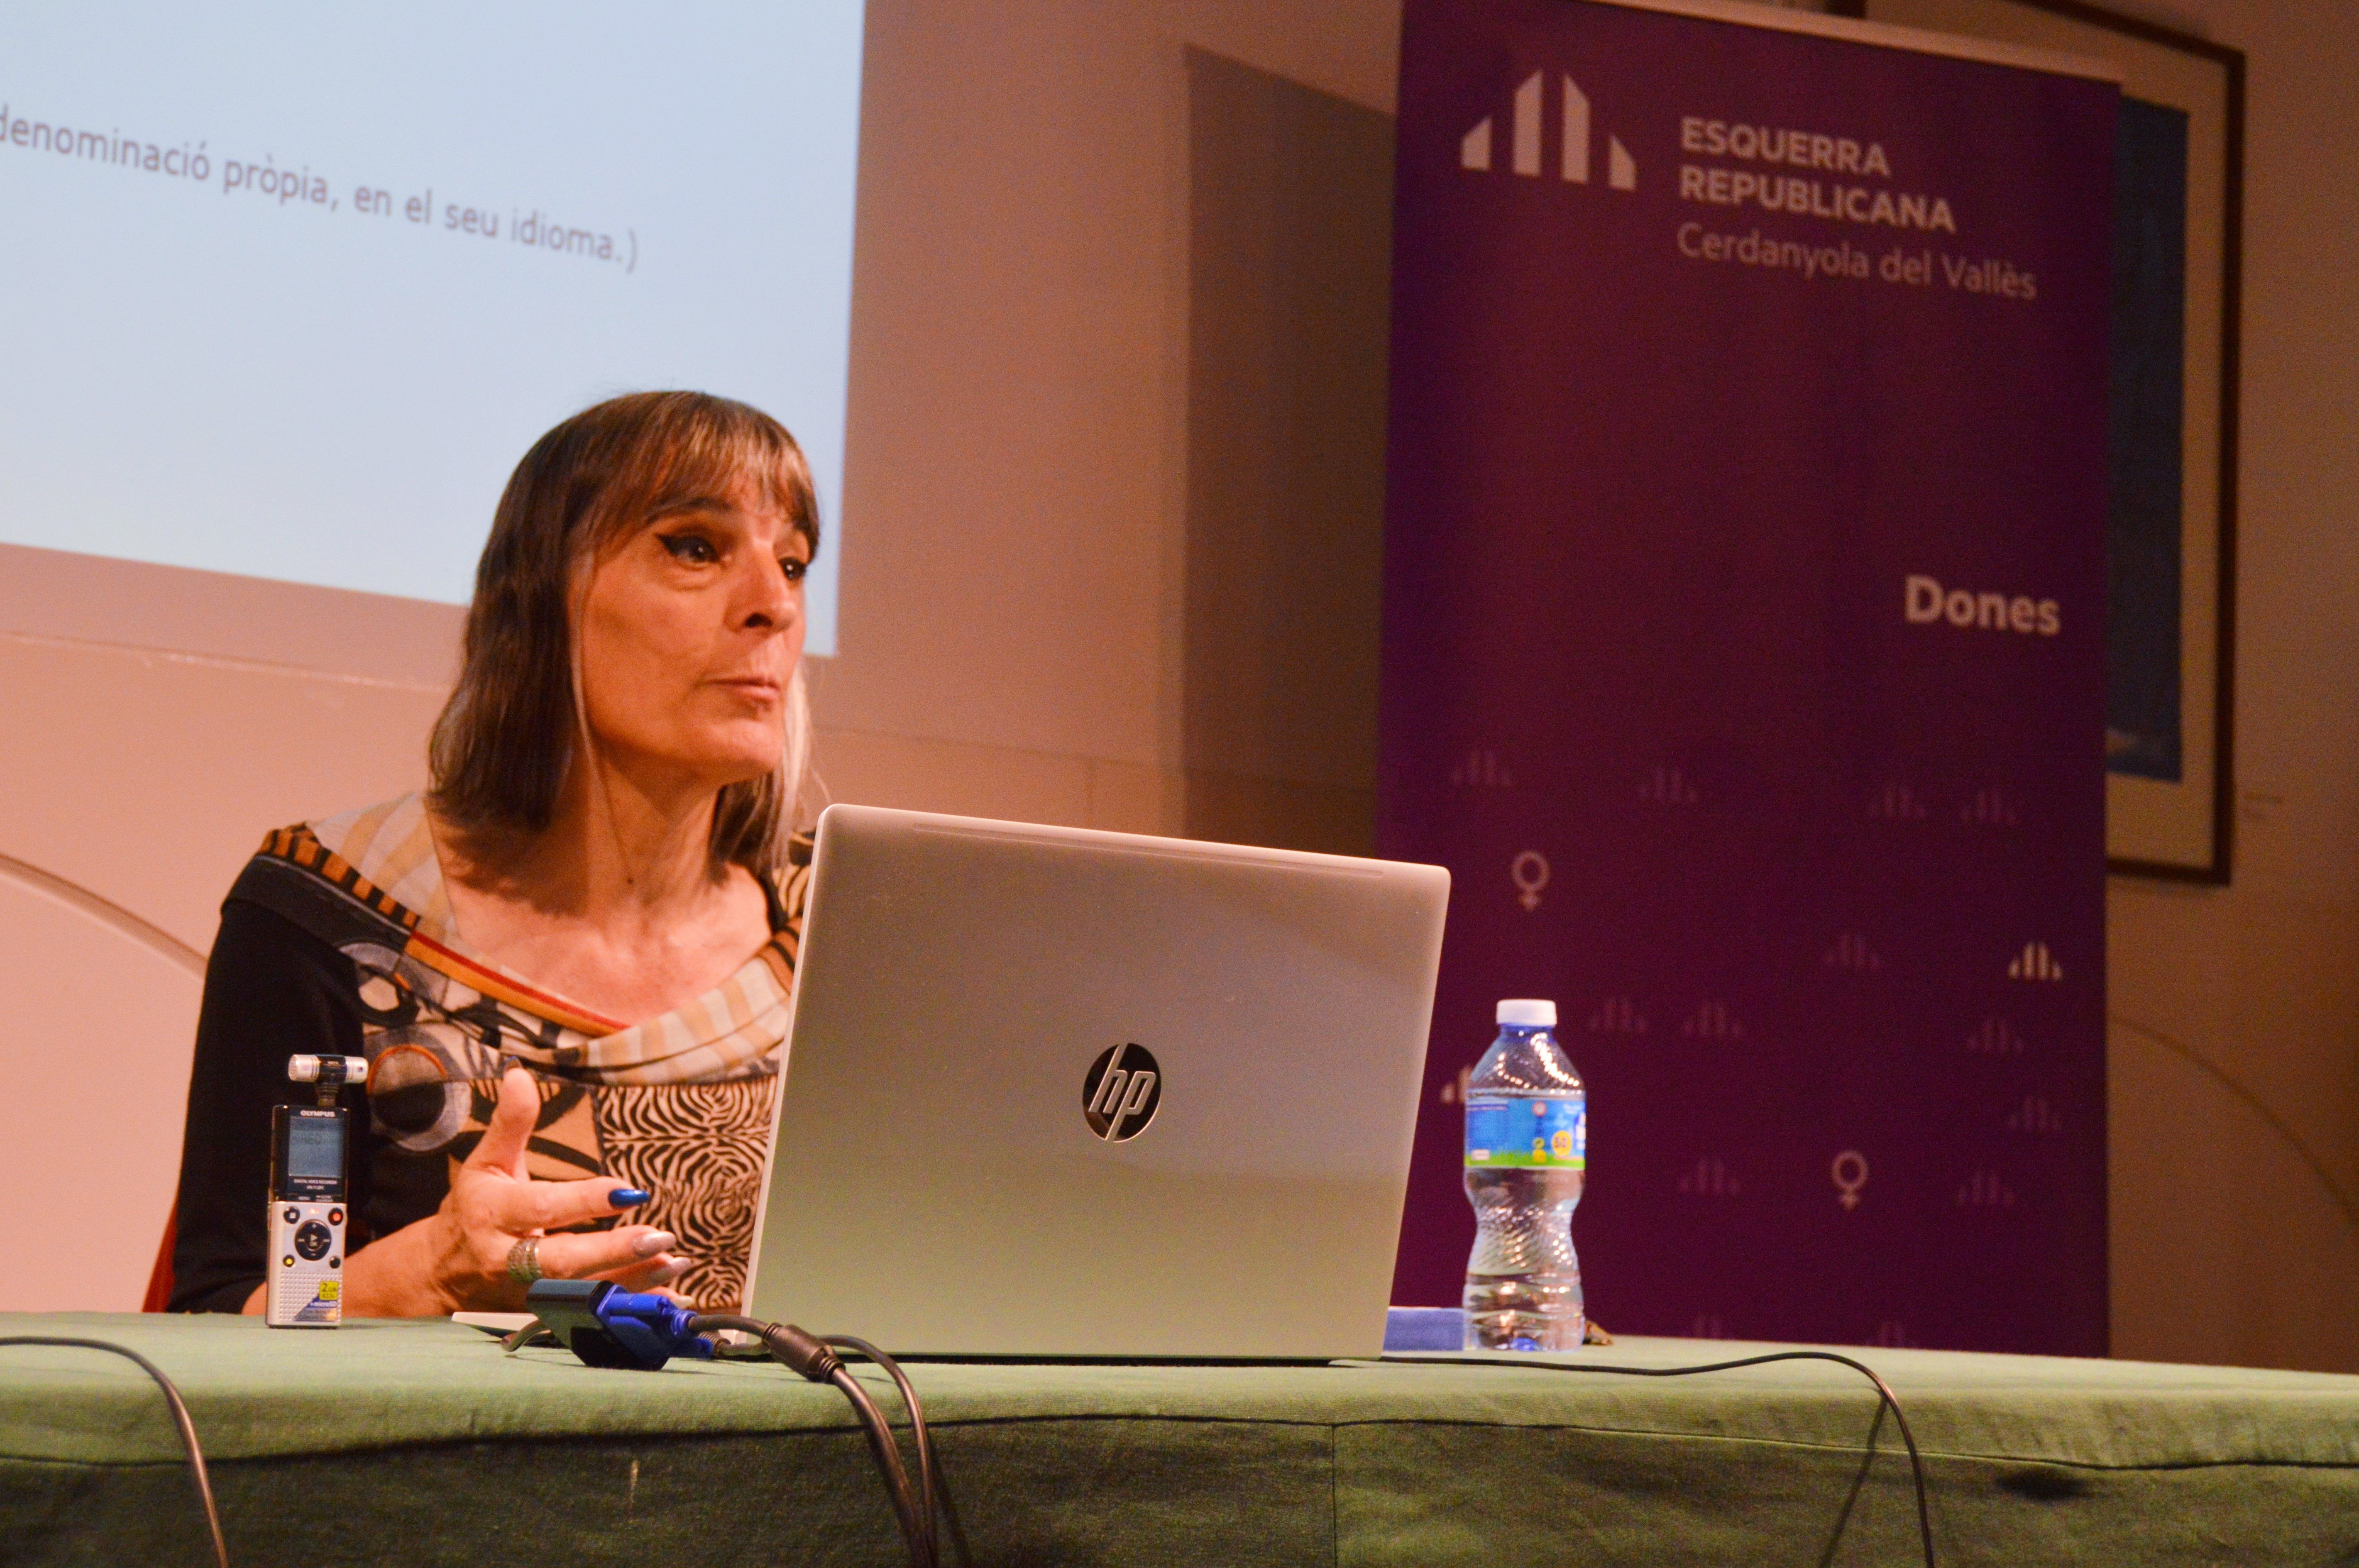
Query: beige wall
[(2236, 1192), (1117, 353), (1113, 533)]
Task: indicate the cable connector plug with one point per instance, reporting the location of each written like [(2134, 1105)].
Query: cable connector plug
[(606, 1327), (802, 1352), (806, 1353)]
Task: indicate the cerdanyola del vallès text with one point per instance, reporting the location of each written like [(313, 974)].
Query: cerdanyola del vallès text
[(1732, 184)]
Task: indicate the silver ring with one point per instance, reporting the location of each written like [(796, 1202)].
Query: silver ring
[(524, 1260)]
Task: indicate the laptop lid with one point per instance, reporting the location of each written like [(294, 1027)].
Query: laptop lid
[(1054, 1092)]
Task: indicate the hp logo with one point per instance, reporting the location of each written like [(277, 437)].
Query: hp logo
[(1121, 1093)]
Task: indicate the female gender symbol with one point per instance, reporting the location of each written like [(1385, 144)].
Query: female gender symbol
[(1849, 1181), (1529, 874)]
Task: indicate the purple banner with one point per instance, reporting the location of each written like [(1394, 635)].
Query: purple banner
[(1745, 656)]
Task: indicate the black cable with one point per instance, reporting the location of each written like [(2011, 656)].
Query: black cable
[(888, 1459), (812, 1358), (1883, 1389), (926, 1494), (179, 1419)]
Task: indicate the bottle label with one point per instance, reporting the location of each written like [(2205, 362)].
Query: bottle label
[(1550, 1133)]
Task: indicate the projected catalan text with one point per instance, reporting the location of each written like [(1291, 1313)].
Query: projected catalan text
[(266, 184)]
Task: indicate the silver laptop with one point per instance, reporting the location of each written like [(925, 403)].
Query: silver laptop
[(1051, 1092)]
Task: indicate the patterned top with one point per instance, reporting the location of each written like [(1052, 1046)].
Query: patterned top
[(681, 1104)]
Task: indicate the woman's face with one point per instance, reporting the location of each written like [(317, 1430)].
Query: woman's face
[(689, 633)]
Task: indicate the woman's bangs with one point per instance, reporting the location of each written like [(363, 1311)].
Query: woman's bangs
[(718, 456)]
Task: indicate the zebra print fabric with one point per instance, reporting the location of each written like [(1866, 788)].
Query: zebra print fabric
[(699, 1149)]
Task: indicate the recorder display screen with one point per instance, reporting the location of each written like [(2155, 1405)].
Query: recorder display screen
[(315, 1149)]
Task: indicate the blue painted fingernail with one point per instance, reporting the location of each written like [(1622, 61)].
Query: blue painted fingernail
[(625, 1197)]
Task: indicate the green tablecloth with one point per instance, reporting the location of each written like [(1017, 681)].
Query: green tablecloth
[(422, 1443)]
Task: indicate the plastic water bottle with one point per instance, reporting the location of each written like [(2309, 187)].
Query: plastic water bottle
[(1526, 1149)]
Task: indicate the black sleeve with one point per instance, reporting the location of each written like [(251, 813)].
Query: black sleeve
[(272, 990)]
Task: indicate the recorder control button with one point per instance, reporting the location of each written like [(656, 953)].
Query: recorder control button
[(288, 1261), (335, 1263), (336, 1216), (291, 1216), (312, 1239)]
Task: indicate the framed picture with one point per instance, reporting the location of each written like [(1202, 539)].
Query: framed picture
[(2171, 538)]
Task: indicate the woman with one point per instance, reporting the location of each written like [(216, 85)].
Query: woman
[(568, 962)]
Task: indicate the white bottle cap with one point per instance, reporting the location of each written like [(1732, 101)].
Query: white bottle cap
[(1526, 1013)]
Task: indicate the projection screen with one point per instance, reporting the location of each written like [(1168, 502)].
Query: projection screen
[(289, 289)]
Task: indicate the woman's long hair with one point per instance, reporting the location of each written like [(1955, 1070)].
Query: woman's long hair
[(515, 723)]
